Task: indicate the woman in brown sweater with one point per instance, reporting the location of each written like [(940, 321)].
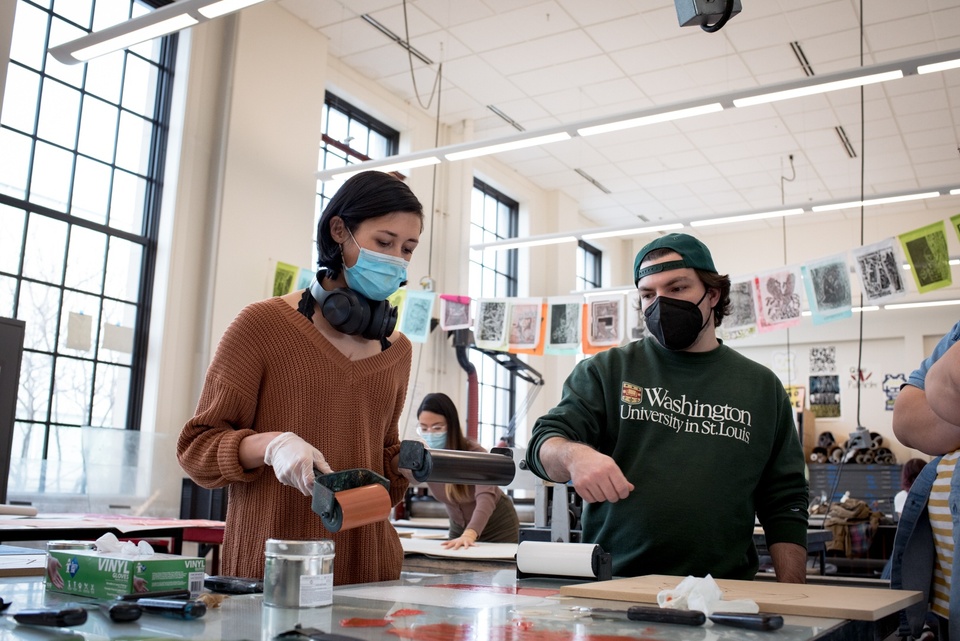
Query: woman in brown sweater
[(290, 390), (477, 512)]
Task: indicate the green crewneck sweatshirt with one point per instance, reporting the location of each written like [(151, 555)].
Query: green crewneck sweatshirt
[(709, 442)]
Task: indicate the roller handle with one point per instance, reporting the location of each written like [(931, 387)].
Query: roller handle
[(666, 615), (50, 617), (762, 622)]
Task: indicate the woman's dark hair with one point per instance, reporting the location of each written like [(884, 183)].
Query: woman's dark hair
[(443, 405), (910, 471), (367, 195)]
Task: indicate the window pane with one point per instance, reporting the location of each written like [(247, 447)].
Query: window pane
[(20, 113), (59, 114), (123, 270), (85, 259), (91, 190), (110, 396), (79, 322), (34, 395), (27, 452), (133, 143), (116, 340), (105, 73), (11, 240), (78, 11), (46, 247), (110, 12), (29, 36), (140, 87), (337, 125), (14, 163), (127, 203), (97, 129), (52, 168), (73, 385)]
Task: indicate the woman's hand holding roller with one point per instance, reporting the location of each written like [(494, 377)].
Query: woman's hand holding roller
[(293, 461)]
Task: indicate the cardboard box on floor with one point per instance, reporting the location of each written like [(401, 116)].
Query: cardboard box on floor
[(105, 576)]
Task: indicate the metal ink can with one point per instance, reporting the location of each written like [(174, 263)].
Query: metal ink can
[(298, 574)]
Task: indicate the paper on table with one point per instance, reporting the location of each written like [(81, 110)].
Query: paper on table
[(434, 547)]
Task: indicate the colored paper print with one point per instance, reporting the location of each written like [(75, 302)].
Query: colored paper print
[(823, 360), (525, 323), (454, 312), (825, 396), (491, 323), (563, 324), (926, 252), (879, 271), (415, 320), (284, 278), (828, 288), (606, 320), (778, 299)]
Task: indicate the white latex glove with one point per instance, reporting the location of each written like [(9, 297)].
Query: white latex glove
[(293, 460)]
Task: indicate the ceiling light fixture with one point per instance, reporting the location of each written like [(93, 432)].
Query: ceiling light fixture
[(747, 217), (515, 243), (875, 201), (597, 233), (508, 146), (688, 109), (160, 22), (939, 66), (630, 231), (666, 116), (822, 87), (933, 303), (424, 161)]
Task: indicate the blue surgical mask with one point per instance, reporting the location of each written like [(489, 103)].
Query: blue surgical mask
[(376, 275), (434, 440)]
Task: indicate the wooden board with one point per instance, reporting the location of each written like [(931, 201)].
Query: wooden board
[(862, 604)]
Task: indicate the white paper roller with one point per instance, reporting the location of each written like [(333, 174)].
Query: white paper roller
[(558, 559)]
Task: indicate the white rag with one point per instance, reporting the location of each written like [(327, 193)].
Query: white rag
[(704, 595)]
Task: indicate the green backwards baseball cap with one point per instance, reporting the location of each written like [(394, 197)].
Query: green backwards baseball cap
[(695, 254)]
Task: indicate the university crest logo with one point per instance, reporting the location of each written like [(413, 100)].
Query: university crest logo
[(631, 394)]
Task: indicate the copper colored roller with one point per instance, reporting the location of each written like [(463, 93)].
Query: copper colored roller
[(351, 498)]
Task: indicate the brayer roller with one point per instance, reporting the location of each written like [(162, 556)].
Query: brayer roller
[(351, 498), (456, 466)]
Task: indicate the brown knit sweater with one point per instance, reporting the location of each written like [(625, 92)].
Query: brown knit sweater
[(274, 371)]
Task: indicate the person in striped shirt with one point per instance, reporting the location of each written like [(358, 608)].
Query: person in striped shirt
[(927, 417)]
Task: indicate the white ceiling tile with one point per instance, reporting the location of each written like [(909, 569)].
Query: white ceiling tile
[(507, 28), (568, 74), (543, 54)]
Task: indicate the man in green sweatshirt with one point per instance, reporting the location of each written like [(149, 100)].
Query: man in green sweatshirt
[(677, 443)]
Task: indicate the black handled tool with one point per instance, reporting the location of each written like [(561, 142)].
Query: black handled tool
[(649, 614), (762, 622), (52, 617), (233, 585), (161, 594), (174, 609), (121, 611)]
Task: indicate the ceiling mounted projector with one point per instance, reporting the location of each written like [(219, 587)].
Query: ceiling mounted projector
[(710, 15)]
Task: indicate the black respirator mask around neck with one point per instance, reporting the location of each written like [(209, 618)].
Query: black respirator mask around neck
[(674, 322)]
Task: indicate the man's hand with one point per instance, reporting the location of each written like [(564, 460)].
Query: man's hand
[(595, 476)]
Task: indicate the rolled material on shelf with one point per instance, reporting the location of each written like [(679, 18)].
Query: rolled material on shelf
[(456, 466), (351, 498), (545, 558)]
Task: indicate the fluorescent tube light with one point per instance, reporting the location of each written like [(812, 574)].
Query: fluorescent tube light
[(666, 116), (514, 243), (933, 303), (819, 88), (130, 38), (396, 166), (631, 231), (876, 201), (939, 66), (955, 192), (159, 22), (746, 217), (218, 9), (508, 146)]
